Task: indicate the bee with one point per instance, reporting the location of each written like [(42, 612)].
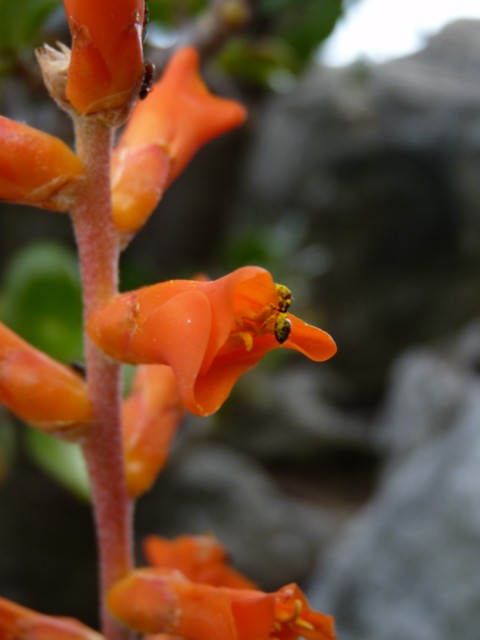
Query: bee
[(147, 81), (282, 327), (283, 324)]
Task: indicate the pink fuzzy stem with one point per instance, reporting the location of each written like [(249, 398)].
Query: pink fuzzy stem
[(98, 249)]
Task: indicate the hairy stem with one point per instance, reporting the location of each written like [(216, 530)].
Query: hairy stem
[(98, 250)]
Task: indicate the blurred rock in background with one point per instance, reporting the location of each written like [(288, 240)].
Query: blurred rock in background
[(407, 566)]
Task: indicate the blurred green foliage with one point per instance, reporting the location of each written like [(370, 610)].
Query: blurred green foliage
[(267, 62), (62, 461), (21, 23), (283, 246), (41, 299), (172, 11), (302, 24), (280, 39)]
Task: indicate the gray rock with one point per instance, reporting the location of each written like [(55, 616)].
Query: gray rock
[(288, 415), (407, 566), (427, 393)]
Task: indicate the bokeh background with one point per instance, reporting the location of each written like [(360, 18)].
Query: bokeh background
[(356, 182)]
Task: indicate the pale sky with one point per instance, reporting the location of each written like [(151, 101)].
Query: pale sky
[(378, 30)]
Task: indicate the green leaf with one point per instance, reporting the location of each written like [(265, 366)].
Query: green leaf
[(42, 299), (303, 24), (267, 62), (316, 24), (21, 22), (174, 12), (62, 461)]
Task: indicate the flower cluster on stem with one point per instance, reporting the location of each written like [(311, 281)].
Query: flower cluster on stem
[(191, 340)]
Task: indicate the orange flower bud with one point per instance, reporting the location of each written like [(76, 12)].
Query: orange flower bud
[(209, 332), (139, 176), (20, 623), (176, 119), (106, 64), (162, 601), (151, 415), (40, 390), (35, 168), (200, 558)]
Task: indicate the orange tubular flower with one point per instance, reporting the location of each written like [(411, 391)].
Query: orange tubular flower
[(164, 132), (210, 333), (106, 64), (201, 559), (162, 601), (35, 168), (20, 623), (151, 415), (40, 390)]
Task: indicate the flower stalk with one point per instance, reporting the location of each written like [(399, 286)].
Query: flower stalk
[(98, 249), (190, 339)]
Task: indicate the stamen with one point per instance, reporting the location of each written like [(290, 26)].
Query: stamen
[(284, 617), (297, 607), (246, 338), (304, 624)]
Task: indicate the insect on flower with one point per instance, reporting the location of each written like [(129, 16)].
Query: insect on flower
[(209, 332), (147, 81), (283, 324), (146, 20)]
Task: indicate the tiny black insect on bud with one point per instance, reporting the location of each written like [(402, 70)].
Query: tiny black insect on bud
[(146, 86), (79, 367), (146, 20)]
